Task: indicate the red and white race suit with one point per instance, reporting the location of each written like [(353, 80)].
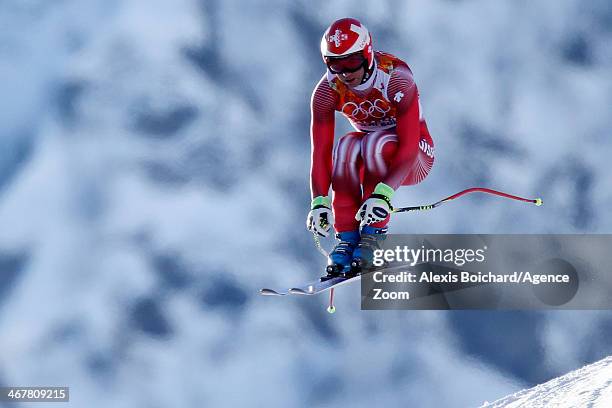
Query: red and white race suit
[(391, 143)]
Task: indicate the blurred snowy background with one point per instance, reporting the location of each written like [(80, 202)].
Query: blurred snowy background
[(154, 175)]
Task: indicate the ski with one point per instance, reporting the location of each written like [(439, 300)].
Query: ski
[(322, 286), (271, 292), (304, 289), (311, 288)]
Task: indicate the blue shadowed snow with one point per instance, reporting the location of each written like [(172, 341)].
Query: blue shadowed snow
[(11, 268), (147, 315)]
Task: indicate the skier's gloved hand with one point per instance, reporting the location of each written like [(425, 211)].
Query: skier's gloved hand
[(377, 207), (320, 216)]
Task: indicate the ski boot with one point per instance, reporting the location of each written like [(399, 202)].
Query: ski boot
[(371, 239), (340, 257)]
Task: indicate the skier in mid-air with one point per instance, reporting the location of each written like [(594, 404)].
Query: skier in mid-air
[(392, 147)]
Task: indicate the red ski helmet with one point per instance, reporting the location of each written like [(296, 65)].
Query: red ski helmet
[(345, 37)]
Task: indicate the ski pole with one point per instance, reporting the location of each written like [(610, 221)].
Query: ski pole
[(536, 201), (331, 308)]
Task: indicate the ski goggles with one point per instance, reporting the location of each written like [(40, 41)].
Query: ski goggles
[(347, 64)]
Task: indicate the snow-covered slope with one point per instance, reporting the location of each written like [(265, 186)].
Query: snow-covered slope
[(590, 386)]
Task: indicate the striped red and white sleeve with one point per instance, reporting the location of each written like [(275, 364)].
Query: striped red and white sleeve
[(402, 92), (322, 108)]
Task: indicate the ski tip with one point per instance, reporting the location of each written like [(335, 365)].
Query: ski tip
[(270, 292), (298, 291), (306, 290)]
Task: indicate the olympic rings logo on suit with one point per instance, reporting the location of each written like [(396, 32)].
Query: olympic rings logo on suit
[(366, 109)]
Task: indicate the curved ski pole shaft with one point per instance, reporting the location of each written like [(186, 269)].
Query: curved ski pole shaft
[(331, 308), (418, 207), (536, 201)]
